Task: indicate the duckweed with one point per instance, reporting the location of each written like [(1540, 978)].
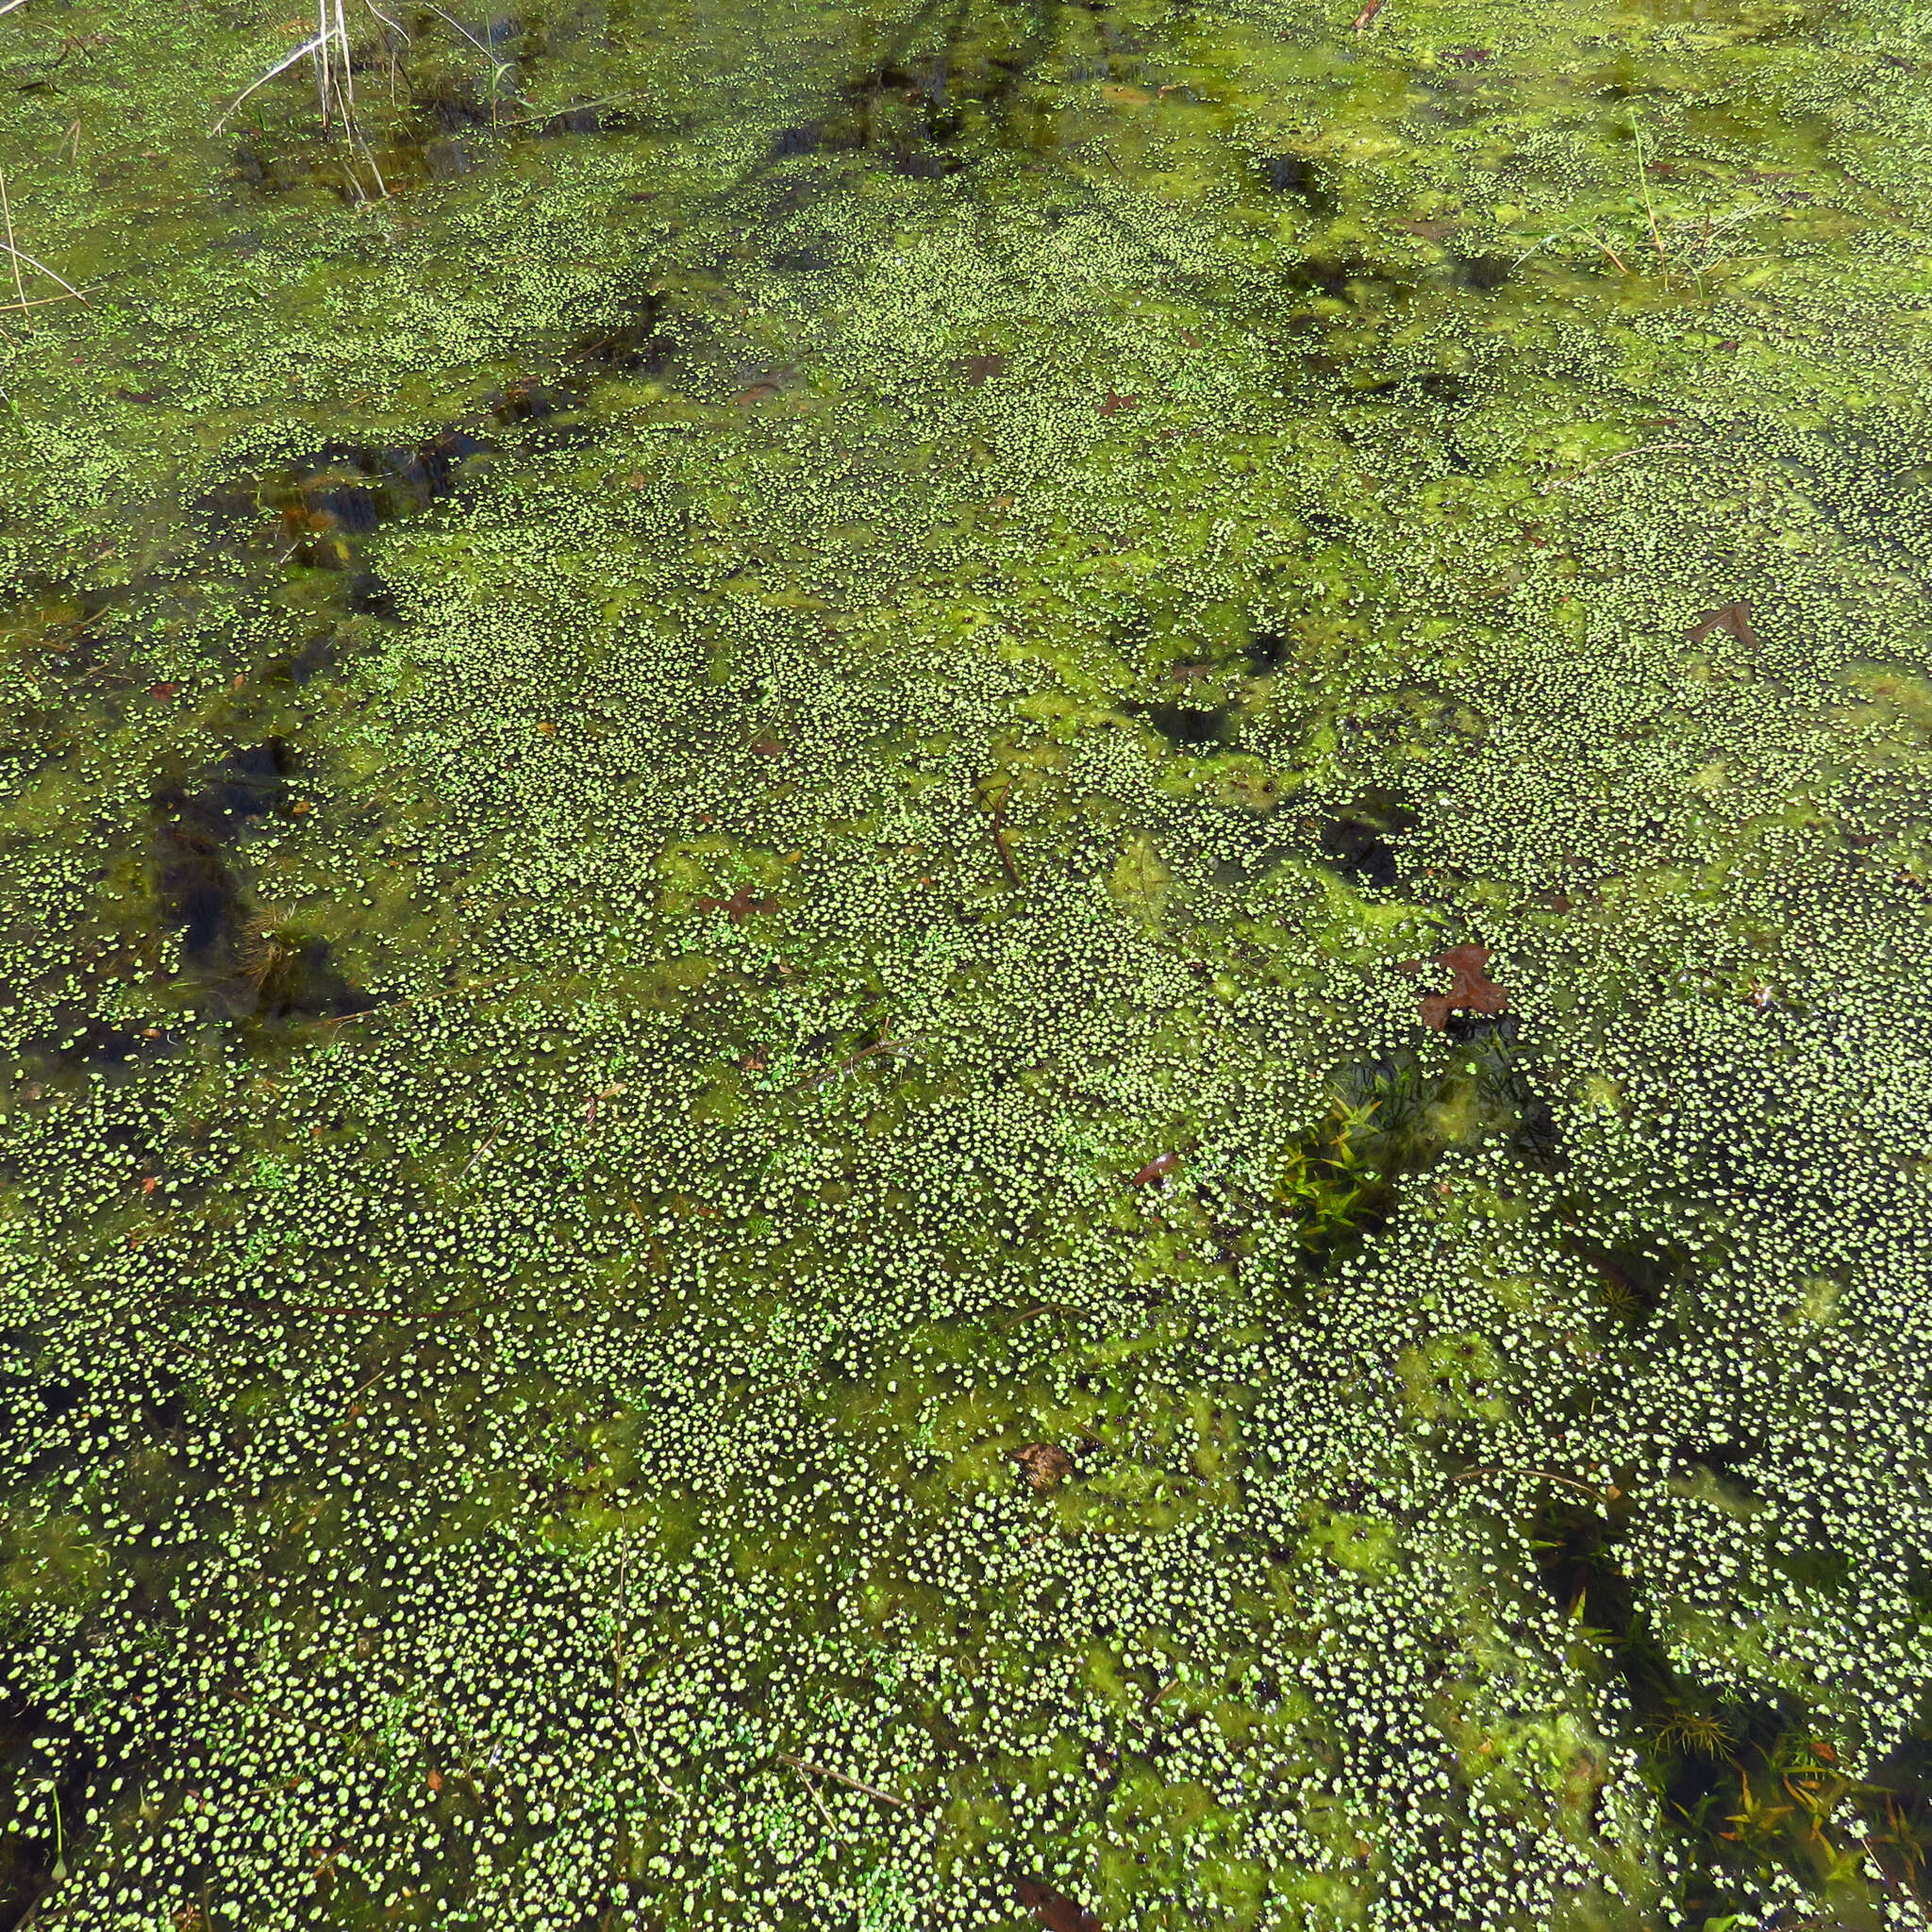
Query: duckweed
[(965, 969)]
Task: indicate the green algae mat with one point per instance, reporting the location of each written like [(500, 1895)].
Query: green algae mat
[(965, 965)]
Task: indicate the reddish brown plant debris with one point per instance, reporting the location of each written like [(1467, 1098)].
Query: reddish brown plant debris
[(767, 748), (1160, 1164), (1054, 1909), (1735, 618), (1471, 989), (739, 906), (1043, 1465), (1114, 404)]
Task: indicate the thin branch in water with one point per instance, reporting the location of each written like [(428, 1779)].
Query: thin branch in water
[(34, 262), (839, 1777), (1642, 449), (817, 1800), (12, 253), (281, 66), (1609, 1495)]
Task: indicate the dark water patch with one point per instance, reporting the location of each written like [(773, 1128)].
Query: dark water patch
[(1742, 1778), (1296, 175), (250, 965), (526, 400), (58, 1774), (1193, 728), (367, 597), (1635, 1277), (642, 343), (1359, 851), (79, 1041), (315, 655), (1355, 842), (1482, 274), (1267, 650)]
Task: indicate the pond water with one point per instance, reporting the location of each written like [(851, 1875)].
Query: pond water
[(964, 965)]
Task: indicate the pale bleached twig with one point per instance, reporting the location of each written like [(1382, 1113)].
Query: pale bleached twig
[(13, 254), (21, 254), (307, 47)]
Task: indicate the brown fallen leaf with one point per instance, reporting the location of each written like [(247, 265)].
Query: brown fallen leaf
[(1471, 989), (1054, 1909), (1045, 1465), (1735, 618), (435, 1780), (1114, 404), (739, 906), (1160, 1164)]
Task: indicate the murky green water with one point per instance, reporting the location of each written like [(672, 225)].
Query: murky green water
[(966, 967)]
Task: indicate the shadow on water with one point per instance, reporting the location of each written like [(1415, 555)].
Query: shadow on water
[(252, 966), (1744, 1781)]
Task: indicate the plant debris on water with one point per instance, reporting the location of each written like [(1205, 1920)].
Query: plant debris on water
[(965, 967)]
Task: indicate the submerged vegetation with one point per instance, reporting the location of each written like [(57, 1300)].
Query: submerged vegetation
[(964, 965)]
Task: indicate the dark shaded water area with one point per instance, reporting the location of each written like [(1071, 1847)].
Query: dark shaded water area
[(963, 966)]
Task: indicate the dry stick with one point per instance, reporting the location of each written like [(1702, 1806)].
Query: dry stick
[(1470, 1475), (881, 1046), (870, 1790), (12, 253), (818, 1801), (38, 302), (1642, 449), (281, 66), (1623, 266), (11, 4), (1366, 14)]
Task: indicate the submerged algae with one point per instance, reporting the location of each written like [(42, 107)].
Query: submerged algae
[(533, 1442)]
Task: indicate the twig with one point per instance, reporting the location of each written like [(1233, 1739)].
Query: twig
[(998, 807), (11, 4), (1590, 235), (857, 1784), (1366, 14), (1028, 1314), (21, 254), (817, 1800), (38, 302), (1642, 449), (1470, 1475), (13, 254), (852, 1061), (281, 66)]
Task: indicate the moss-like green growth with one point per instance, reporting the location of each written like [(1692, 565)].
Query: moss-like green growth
[(964, 966)]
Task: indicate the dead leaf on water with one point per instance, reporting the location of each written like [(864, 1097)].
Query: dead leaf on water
[(1735, 618), (1054, 1909), (1045, 1465)]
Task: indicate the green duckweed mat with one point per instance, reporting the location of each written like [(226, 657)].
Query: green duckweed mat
[(966, 966)]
